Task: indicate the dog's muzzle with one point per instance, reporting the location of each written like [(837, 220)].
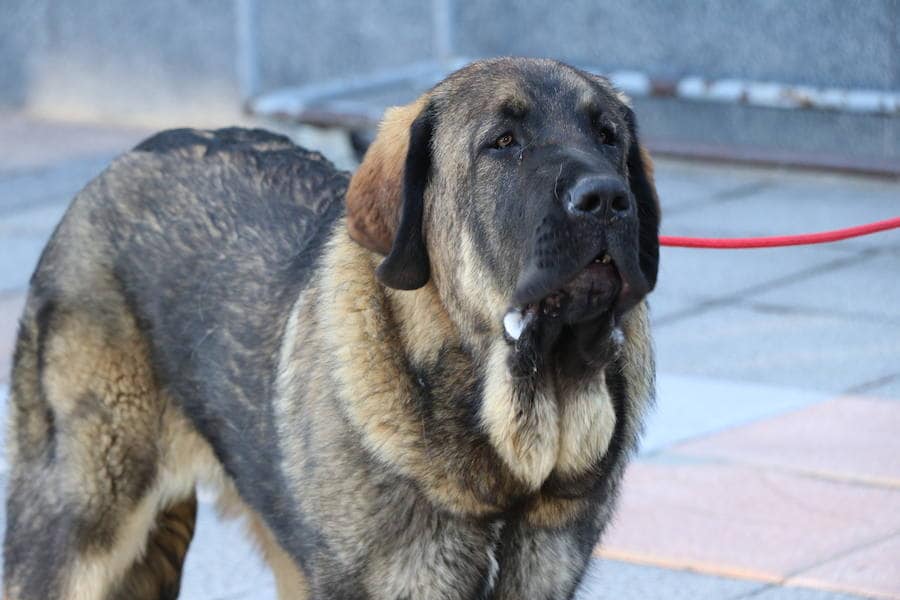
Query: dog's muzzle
[(583, 261)]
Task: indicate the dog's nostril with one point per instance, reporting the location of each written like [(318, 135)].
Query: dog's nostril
[(619, 203), (588, 202)]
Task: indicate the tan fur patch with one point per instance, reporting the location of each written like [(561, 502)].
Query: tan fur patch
[(587, 421), (422, 329), (648, 166), (355, 316), (93, 575), (478, 286), (637, 358), (525, 432), (551, 512), (360, 326), (359, 320), (80, 360), (103, 389), (648, 169), (186, 459)]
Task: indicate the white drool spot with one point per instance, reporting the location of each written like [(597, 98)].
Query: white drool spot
[(618, 336), (514, 324)]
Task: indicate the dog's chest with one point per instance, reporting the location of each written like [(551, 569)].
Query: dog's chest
[(538, 431), (446, 558)]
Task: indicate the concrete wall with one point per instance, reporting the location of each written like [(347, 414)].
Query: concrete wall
[(129, 61), (311, 40), (843, 43), (195, 61)]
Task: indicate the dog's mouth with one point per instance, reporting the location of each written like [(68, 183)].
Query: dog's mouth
[(592, 293)]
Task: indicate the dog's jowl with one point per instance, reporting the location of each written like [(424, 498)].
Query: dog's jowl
[(419, 382)]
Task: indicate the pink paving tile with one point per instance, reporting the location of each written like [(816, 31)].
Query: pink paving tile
[(871, 571), (10, 309), (743, 521), (847, 438)]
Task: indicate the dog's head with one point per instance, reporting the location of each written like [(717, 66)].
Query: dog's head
[(520, 187)]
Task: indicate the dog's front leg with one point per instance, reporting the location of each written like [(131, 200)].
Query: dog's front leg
[(543, 563)]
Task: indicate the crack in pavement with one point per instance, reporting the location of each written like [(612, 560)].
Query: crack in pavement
[(741, 295)]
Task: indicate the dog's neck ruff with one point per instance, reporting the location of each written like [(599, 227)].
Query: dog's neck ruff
[(391, 335)]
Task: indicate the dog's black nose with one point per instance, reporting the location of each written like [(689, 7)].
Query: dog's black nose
[(599, 196)]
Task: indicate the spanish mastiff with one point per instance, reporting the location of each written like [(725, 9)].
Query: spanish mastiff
[(421, 382)]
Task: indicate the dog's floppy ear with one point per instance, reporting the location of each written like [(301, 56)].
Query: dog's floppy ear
[(640, 179), (385, 200)]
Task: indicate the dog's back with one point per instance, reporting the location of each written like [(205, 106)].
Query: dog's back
[(168, 280)]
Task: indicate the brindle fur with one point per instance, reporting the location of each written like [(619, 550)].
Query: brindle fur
[(202, 315)]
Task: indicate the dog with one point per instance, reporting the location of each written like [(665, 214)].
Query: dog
[(423, 381)]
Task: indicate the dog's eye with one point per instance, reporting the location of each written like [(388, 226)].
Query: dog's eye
[(504, 141), (607, 135)]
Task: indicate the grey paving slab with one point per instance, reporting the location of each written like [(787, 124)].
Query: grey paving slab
[(665, 305), (690, 276), (33, 143), (614, 580), (18, 259), (30, 207), (869, 286), (3, 484), (55, 184), (684, 184), (223, 564), (689, 407), (888, 389), (37, 222), (4, 411), (798, 204), (786, 348), (797, 593)]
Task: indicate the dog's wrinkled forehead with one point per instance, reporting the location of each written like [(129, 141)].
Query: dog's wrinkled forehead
[(544, 90)]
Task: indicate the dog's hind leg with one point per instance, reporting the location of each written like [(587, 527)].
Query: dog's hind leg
[(86, 487), (157, 574)]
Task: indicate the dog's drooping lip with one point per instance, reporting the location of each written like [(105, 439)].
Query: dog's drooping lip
[(592, 293)]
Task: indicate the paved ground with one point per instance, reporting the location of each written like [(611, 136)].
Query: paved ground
[(771, 468)]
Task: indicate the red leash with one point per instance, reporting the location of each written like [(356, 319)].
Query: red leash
[(781, 240)]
